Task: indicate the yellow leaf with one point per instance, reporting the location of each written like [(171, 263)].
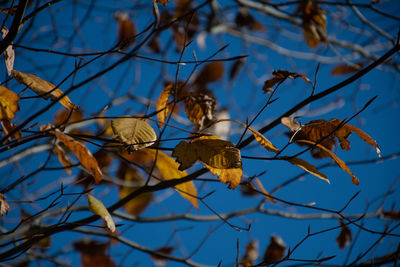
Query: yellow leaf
[(8, 103), (168, 169), (261, 139), (219, 156), (62, 157), (307, 167), (162, 104), (134, 132), (337, 160), (97, 207), (42, 88), (130, 175), (83, 154)]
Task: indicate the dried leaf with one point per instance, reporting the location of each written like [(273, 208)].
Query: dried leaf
[(83, 154), (261, 139), (42, 88), (162, 104), (219, 156), (200, 109), (211, 72), (290, 123), (392, 214), (337, 160), (126, 30), (316, 130), (314, 22), (130, 175), (251, 254), (275, 250), (4, 207), (8, 127), (260, 185), (9, 54), (343, 69), (307, 167), (93, 254), (279, 77), (67, 116), (97, 207), (344, 238), (160, 260), (245, 19), (62, 157), (8, 103), (137, 133), (168, 169), (163, 2)]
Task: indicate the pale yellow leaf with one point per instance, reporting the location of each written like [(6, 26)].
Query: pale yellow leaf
[(307, 167), (134, 132), (42, 88), (338, 161), (97, 207), (290, 123)]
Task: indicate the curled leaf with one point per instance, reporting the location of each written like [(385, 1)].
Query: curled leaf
[(307, 167), (337, 160), (4, 207), (62, 157), (279, 77), (98, 208), (261, 139), (42, 88), (134, 132), (290, 123), (200, 109)]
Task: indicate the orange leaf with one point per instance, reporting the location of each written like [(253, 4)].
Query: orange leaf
[(42, 88), (211, 72), (163, 2), (8, 127), (261, 139), (337, 160), (314, 23), (162, 104), (83, 154), (347, 69), (260, 185), (307, 167), (62, 157), (8, 103)]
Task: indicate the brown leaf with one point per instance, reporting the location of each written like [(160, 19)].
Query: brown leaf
[(154, 45), (235, 68), (337, 160), (275, 250), (162, 104), (279, 77), (67, 116), (10, 11), (200, 109), (392, 214), (93, 254), (8, 127), (307, 167), (261, 139), (316, 130), (137, 133), (126, 30), (344, 238), (4, 207), (211, 72), (9, 54), (130, 175), (42, 88), (62, 157), (343, 69), (83, 154), (163, 2), (314, 22), (160, 260), (245, 19), (219, 156), (251, 254), (98, 208), (8, 103)]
